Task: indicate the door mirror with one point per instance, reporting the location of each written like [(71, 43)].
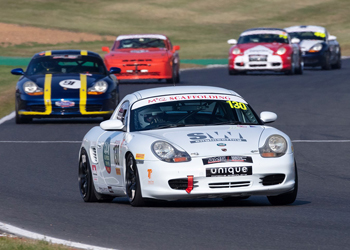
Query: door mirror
[(17, 71), (232, 41), (295, 40), (267, 116), (332, 38), (176, 47), (105, 49), (114, 124), (114, 70)]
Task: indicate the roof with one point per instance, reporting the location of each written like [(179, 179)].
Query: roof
[(135, 36), (263, 31), (301, 28), (147, 93), (66, 52)]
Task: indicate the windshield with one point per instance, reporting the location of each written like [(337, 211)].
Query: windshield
[(136, 43), (309, 35), (63, 64), (191, 113), (263, 38)]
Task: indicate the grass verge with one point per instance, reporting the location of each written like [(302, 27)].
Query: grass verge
[(9, 243)]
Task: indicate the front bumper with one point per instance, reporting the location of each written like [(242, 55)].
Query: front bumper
[(156, 185), (271, 63), (313, 59)]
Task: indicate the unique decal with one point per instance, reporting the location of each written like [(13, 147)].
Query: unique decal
[(228, 158), (70, 84), (94, 169), (228, 171), (149, 171), (237, 105), (107, 155), (64, 103), (214, 137), (118, 171), (221, 144), (140, 156)]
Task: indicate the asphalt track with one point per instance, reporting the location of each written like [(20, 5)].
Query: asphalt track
[(39, 190)]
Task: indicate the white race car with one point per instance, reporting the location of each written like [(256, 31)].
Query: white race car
[(187, 142)]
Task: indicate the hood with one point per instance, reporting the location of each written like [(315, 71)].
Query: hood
[(65, 85), (260, 48), (307, 44), (212, 140), (146, 53)]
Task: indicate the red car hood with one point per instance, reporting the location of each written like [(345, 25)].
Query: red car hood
[(260, 48), (127, 54)]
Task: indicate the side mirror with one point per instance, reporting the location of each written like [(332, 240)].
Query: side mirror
[(295, 40), (105, 49), (176, 47), (232, 41), (114, 125), (267, 116), (114, 70), (17, 71), (332, 38)]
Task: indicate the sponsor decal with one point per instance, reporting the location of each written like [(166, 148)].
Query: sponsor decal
[(224, 149), (228, 171), (139, 51), (65, 57), (195, 153), (140, 156), (228, 158), (118, 172), (221, 144), (187, 97), (140, 161), (214, 137), (70, 84), (149, 171), (94, 169), (107, 155), (64, 103)]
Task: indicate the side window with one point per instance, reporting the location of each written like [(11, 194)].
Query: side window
[(123, 112)]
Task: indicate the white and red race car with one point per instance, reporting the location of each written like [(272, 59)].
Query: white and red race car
[(262, 49), (187, 142)]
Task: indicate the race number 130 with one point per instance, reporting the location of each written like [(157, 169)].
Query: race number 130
[(237, 105)]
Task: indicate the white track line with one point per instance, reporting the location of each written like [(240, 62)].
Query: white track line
[(8, 117), (27, 234)]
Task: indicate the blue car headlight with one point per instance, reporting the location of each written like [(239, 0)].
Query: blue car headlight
[(316, 48), (98, 88)]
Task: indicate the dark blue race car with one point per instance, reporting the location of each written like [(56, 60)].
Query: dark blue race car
[(65, 83)]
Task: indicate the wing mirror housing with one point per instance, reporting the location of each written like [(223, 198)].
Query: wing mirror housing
[(114, 70), (112, 125), (17, 71), (105, 49), (232, 41), (267, 116), (176, 47), (295, 40), (332, 38)]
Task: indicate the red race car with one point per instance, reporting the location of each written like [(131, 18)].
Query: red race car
[(265, 49), (144, 56)]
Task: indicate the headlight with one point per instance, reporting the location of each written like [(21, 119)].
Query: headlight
[(316, 48), (236, 51), (166, 152), (281, 51), (99, 88), (275, 146), (32, 89)]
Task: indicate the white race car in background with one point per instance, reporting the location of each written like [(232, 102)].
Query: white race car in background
[(187, 142)]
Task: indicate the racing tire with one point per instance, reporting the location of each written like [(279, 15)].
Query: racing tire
[(86, 184), (233, 72), (175, 76), (238, 198), (286, 198), (326, 63), (19, 118), (300, 69), (132, 183), (337, 65), (292, 68)]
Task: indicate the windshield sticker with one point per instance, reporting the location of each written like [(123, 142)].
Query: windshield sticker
[(320, 34), (214, 137), (122, 37), (186, 97), (70, 84), (285, 36), (229, 158), (237, 105)]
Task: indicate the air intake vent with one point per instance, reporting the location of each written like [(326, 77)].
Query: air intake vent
[(180, 184), (93, 154), (272, 179), (230, 184)]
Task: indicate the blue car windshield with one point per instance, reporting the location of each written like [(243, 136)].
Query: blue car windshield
[(309, 35), (65, 64), (192, 113)]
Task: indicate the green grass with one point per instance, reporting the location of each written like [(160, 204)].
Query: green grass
[(7, 90), (7, 243)]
